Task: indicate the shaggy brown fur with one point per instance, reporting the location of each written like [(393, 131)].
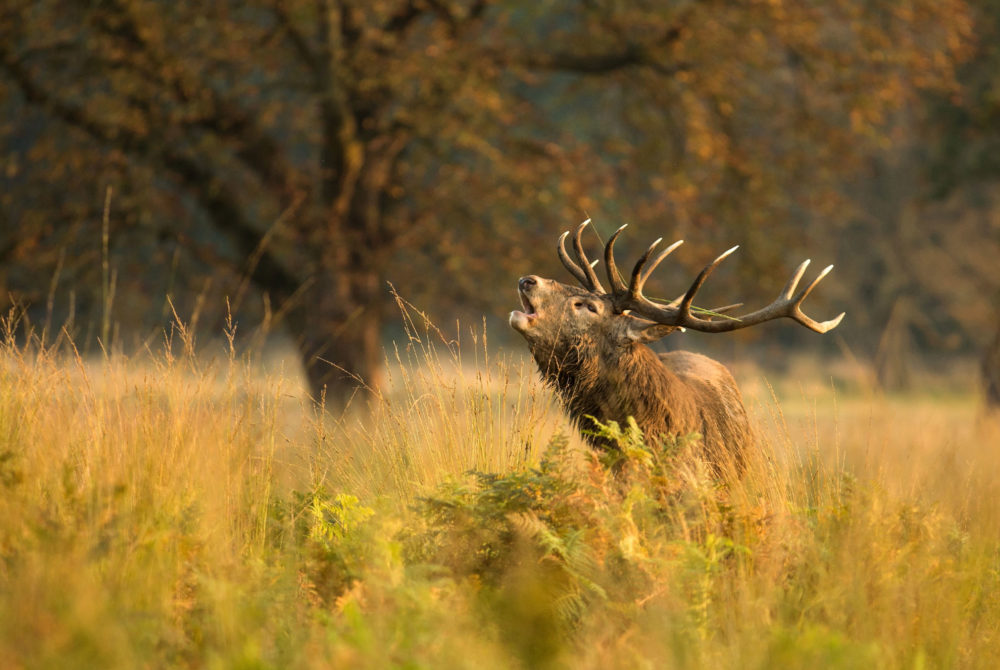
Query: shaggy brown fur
[(599, 364)]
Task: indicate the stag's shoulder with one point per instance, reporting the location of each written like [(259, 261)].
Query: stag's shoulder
[(696, 366), (707, 377)]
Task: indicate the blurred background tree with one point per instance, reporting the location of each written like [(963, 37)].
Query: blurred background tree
[(962, 164), (294, 155)]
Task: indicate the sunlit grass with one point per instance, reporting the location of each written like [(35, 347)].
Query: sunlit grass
[(449, 406), (184, 509)]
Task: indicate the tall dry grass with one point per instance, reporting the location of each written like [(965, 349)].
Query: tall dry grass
[(176, 509)]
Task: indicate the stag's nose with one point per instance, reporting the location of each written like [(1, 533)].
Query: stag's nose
[(525, 283)]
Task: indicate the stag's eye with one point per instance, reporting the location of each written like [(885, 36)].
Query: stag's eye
[(592, 308)]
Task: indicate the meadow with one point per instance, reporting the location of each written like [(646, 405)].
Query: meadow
[(188, 507)]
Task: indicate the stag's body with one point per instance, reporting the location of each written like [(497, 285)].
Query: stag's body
[(676, 393), (590, 346)]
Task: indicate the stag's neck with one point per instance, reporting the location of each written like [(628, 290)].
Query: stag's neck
[(630, 382), (651, 392)]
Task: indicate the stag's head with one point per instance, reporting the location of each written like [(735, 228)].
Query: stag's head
[(561, 322)]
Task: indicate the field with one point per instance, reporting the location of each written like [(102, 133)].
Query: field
[(185, 509)]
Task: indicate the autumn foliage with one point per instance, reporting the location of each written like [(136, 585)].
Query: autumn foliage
[(294, 155)]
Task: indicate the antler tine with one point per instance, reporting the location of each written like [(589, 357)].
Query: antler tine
[(656, 261), (684, 309), (808, 289), (614, 276), (635, 283), (818, 326), (789, 289), (570, 264), (593, 283), (800, 316)]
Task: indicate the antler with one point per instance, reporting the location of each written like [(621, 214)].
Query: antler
[(584, 272), (678, 312)]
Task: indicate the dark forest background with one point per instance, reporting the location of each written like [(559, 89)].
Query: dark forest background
[(282, 160)]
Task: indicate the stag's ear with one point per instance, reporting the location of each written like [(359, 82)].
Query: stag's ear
[(641, 330)]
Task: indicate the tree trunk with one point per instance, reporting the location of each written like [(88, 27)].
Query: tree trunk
[(990, 371), (337, 330), (892, 360)]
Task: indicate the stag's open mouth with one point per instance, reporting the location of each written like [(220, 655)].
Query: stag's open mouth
[(519, 320), (529, 309)]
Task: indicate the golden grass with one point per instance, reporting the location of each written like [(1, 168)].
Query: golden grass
[(173, 511)]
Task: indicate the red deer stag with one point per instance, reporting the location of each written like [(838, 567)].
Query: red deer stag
[(590, 346)]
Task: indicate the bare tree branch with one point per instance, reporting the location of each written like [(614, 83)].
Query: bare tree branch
[(224, 116), (221, 205), (297, 39)]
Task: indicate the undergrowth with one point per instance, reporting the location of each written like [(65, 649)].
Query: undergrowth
[(175, 512)]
